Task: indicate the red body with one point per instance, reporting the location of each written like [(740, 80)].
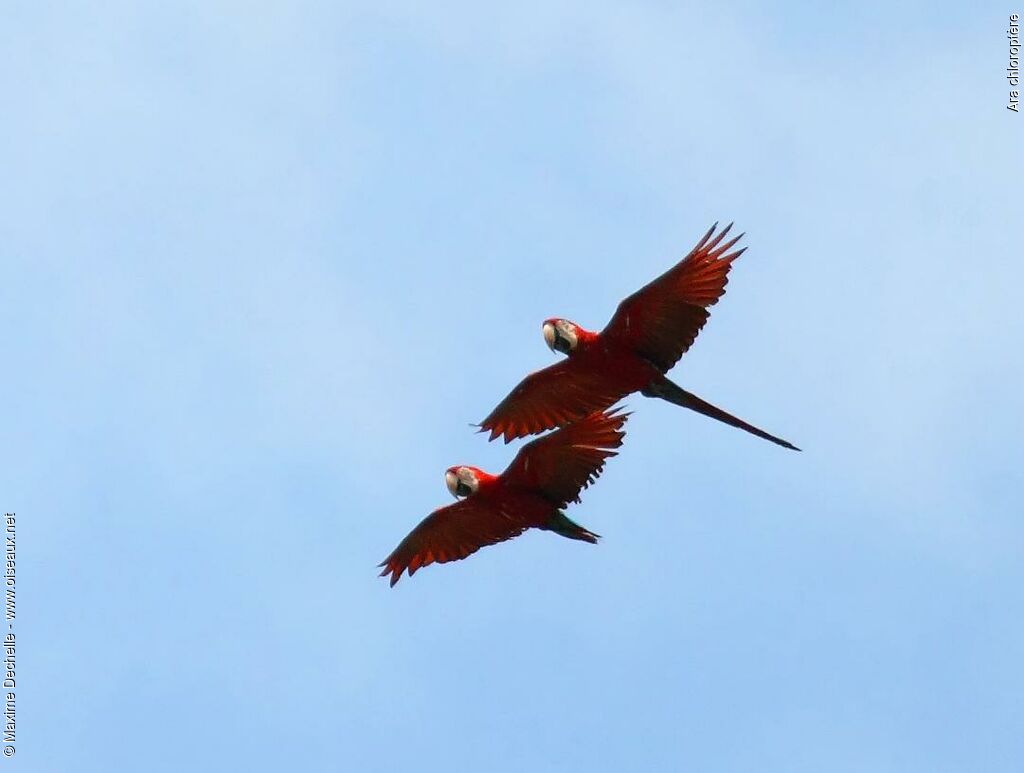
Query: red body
[(612, 360), (649, 332), (545, 476), (647, 335)]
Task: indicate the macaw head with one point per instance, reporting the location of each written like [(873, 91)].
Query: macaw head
[(561, 335), (462, 481)]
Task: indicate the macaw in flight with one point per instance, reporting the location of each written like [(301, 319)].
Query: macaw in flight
[(649, 332), (546, 475)]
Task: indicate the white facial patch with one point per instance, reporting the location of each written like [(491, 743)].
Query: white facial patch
[(567, 331), (468, 477)]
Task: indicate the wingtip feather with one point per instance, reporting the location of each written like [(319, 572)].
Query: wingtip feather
[(704, 239), (718, 238)]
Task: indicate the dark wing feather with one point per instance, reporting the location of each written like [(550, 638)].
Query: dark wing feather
[(552, 397), (563, 463), (661, 320), (449, 534)]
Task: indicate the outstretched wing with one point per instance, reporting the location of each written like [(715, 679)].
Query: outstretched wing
[(551, 397), (563, 463), (449, 534), (661, 320)]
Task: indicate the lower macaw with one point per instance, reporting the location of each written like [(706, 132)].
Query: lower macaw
[(546, 475)]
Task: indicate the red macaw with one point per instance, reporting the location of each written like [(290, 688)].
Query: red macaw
[(547, 474), (649, 332)]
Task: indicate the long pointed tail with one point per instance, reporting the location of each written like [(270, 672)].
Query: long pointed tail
[(674, 393), (561, 524)]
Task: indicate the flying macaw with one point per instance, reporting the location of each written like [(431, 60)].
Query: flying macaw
[(649, 332), (547, 474)]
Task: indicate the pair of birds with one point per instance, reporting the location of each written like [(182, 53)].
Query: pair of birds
[(649, 332)]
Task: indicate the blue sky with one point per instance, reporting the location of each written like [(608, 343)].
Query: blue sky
[(261, 266)]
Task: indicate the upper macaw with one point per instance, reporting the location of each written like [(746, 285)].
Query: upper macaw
[(547, 474), (649, 332)]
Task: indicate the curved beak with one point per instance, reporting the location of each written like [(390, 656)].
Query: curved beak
[(451, 480), (550, 335)]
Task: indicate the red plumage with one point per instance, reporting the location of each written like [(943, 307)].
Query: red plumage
[(649, 332), (546, 475)]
